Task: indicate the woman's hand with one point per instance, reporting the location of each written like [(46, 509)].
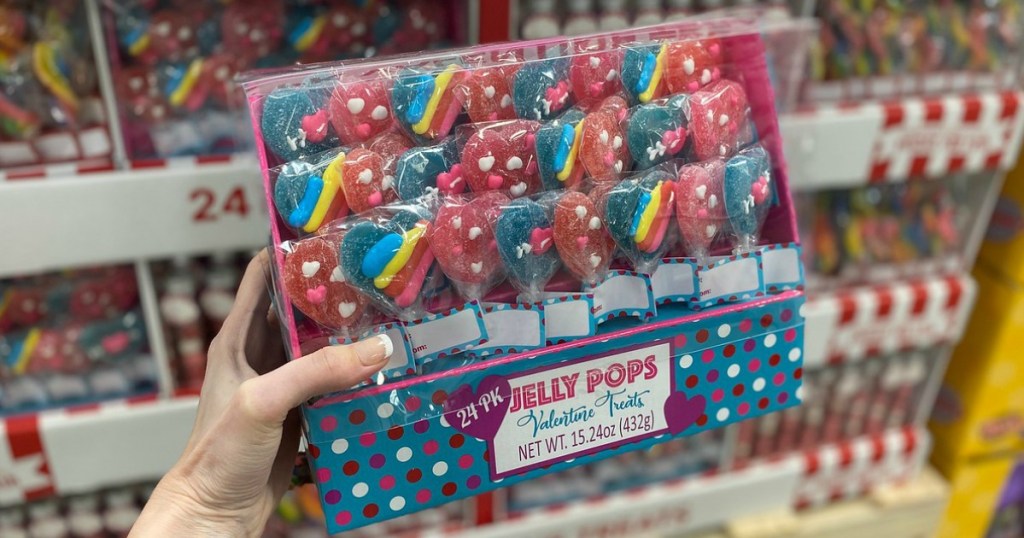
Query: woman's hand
[(239, 459)]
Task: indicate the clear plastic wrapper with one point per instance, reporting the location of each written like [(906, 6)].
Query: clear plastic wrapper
[(602, 149), (488, 93), (466, 247), (557, 146), (651, 71), (700, 207), (295, 123), (719, 120), (360, 110), (638, 214), (594, 76), (427, 102), (580, 235), (748, 192), (425, 169), (501, 156), (658, 131), (317, 286), (525, 240), (541, 90), (308, 193)]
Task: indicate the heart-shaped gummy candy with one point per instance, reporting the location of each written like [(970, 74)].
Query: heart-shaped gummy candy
[(294, 123), (638, 212), (489, 93), (308, 195), (365, 182), (700, 206), (427, 103), (423, 169), (581, 237), (360, 110), (525, 242), (501, 157), (718, 119), (317, 286), (557, 146), (595, 76), (469, 255), (643, 72), (603, 149), (541, 90), (657, 132), (748, 193), (691, 65)]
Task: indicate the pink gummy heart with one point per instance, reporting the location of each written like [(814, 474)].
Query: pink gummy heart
[(365, 182), (603, 150), (390, 146), (452, 181), (359, 111), (595, 76), (489, 95), (718, 114), (501, 157), (316, 286), (700, 205), (691, 65), (470, 256), (581, 238)]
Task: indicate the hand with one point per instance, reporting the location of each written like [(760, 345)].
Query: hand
[(239, 459)]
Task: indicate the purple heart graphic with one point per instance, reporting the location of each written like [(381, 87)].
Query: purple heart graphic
[(681, 412), (479, 413)]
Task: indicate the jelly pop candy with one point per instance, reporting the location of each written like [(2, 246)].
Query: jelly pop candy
[(541, 90), (603, 149), (294, 125), (691, 65), (718, 120), (748, 194), (360, 110), (422, 170), (317, 286), (657, 132), (501, 156), (488, 93), (700, 207), (525, 243), (308, 194), (364, 181), (468, 254), (643, 72), (558, 144), (581, 238), (427, 104), (387, 257), (595, 76), (638, 212)]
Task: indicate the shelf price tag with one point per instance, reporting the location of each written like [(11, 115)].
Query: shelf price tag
[(210, 205)]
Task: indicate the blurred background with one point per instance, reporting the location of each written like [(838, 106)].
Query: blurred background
[(130, 202)]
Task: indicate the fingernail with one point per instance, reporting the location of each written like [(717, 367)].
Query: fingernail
[(373, 351)]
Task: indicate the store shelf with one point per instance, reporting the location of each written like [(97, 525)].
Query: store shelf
[(157, 209), (854, 323), (882, 141), (85, 448)]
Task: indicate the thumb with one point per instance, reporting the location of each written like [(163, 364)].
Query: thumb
[(270, 396)]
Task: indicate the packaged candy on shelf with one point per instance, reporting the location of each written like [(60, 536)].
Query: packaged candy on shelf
[(456, 194), (308, 192)]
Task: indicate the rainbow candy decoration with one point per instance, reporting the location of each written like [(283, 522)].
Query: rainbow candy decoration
[(307, 32), (643, 70), (428, 105), (652, 215), (399, 262), (52, 71)]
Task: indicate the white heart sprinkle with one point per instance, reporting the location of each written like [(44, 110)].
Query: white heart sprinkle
[(595, 223), (310, 268), (477, 267), (457, 223), (518, 189), (712, 201), (355, 105), (603, 137), (489, 91), (581, 211), (527, 248), (365, 176), (519, 252), (705, 77), (723, 119), (337, 275), (710, 230), (379, 113), (595, 260), (346, 309), (506, 100), (617, 142), (595, 61), (388, 182), (611, 75), (688, 66), (486, 163), (723, 150), (618, 166), (475, 232), (710, 116), (514, 163), (701, 191)]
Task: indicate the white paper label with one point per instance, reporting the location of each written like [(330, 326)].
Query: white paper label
[(509, 326), (57, 147), (781, 266), (622, 292), (673, 280), (445, 332), (95, 142), (568, 319), (16, 153), (736, 277), (401, 359)]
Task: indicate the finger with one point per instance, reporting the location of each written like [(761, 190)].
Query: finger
[(329, 369), (253, 296)]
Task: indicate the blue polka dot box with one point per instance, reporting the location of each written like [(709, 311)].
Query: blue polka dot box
[(510, 389)]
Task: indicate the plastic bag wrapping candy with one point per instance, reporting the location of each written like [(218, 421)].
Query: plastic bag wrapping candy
[(719, 120), (501, 157), (308, 192), (749, 192), (557, 146), (360, 110), (386, 255), (700, 207), (638, 214), (594, 76), (422, 170), (603, 149), (580, 235), (541, 89), (427, 101), (467, 250), (295, 122), (525, 240), (317, 286), (488, 93), (659, 131)]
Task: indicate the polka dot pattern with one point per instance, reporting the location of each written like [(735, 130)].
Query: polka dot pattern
[(400, 453)]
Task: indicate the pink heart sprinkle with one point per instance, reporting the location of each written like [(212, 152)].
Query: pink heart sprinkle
[(492, 116), (530, 139), (541, 240), (375, 199), (716, 74), (317, 294), (582, 241), (702, 213), (457, 250), (315, 126), (495, 181), (621, 114), (693, 86), (363, 130), (609, 158), (596, 88), (713, 49), (116, 342)]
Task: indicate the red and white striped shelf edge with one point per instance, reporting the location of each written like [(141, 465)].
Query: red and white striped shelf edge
[(848, 145), (85, 448), (866, 321)]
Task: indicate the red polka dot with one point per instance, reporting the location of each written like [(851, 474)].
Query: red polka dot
[(766, 320), (414, 475), (412, 403), (729, 351), (692, 381), (377, 461), (743, 408), (370, 510), (323, 474), (786, 315), (449, 489), (332, 497), (357, 416), (749, 345), (779, 378), (439, 397), (707, 355), (774, 359), (702, 420), (368, 439), (423, 496), (798, 373), (473, 482), (790, 335), (314, 451), (456, 440), (465, 461), (712, 376), (487, 455), (343, 518), (350, 468), (745, 325), (738, 389), (387, 482), (702, 335), (754, 365), (763, 403), (717, 394), (421, 426), (328, 423), (430, 447), (783, 397), (395, 433)]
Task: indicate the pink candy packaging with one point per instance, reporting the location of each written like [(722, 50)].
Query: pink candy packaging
[(535, 226)]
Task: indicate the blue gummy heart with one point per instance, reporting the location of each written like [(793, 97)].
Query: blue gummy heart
[(418, 168), (624, 204), (553, 143), (647, 128), (742, 173), (637, 69), (284, 111), (541, 90), (296, 192), (529, 268)]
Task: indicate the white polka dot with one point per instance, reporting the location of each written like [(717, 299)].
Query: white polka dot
[(444, 421), (769, 340), (397, 503), (339, 446), (733, 370), (686, 361), (801, 311), (794, 354), (800, 393), (385, 410), (758, 384), (360, 490), (404, 454), (440, 468), (723, 414), (724, 330)]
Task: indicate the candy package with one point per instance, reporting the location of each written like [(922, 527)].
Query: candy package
[(638, 213)]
